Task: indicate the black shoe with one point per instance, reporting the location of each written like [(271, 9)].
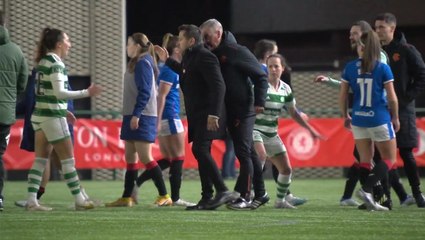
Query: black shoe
[(202, 205), (259, 201), (388, 203), (362, 207), (420, 201), (220, 199), (1, 205)]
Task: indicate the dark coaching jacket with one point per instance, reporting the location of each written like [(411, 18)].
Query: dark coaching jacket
[(241, 71), (203, 88), (408, 68)]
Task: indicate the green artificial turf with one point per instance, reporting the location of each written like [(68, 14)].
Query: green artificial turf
[(320, 218)]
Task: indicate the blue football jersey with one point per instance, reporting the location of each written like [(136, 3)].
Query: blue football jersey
[(172, 102), (370, 107)]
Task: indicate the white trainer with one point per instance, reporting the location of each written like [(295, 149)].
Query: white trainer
[(183, 203), (37, 207), (295, 201), (21, 203), (370, 203), (349, 202), (379, 207), (283, 204), (86, 205), (83, 192)]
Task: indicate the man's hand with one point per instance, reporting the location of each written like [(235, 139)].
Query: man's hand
[(259, 109), (212, 123)]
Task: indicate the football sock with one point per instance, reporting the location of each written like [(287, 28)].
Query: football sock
[(156, 174), (130, 176), (71, 177), (275, 173), (146, 175), (176, 177), (352, 179), (40, 192), (378, 173), (283, 182), (34, 178), (378, 191), (364, 170)]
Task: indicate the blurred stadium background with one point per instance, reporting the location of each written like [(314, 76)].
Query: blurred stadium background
[(311, 34)]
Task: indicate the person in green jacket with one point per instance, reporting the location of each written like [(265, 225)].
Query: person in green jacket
[(13, 79)]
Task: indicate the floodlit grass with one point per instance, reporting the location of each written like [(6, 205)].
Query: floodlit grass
[(320, 218)]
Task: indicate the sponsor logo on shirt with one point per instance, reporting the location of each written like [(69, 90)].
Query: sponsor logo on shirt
[(365, 114)]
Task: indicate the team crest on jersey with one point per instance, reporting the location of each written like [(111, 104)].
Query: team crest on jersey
[(396, 57)]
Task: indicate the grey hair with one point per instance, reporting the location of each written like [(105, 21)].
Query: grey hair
[(212, 23)]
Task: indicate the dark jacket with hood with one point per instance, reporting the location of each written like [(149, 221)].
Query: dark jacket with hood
[(408, 68), (13, 77), (241, 70)]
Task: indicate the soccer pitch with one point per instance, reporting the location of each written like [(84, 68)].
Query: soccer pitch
[(320, 218)]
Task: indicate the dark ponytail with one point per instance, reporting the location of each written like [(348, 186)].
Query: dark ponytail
[(371, 52), (146, 47), (48, 40)]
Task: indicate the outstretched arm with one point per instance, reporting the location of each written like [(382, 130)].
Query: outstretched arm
[(295, 114), (331, 82), (343, 104), (61, 92)]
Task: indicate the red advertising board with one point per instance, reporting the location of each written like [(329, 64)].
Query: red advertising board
[(97, 145)]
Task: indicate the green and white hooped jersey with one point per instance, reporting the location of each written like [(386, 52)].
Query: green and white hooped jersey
[(267, 122), (47, 106)]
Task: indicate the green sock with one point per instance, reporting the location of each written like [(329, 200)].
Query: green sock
[(71, 177), (283, 182), (34, 178)]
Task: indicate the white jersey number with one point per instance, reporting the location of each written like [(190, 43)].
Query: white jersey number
[(39, 87), (365, 85)]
